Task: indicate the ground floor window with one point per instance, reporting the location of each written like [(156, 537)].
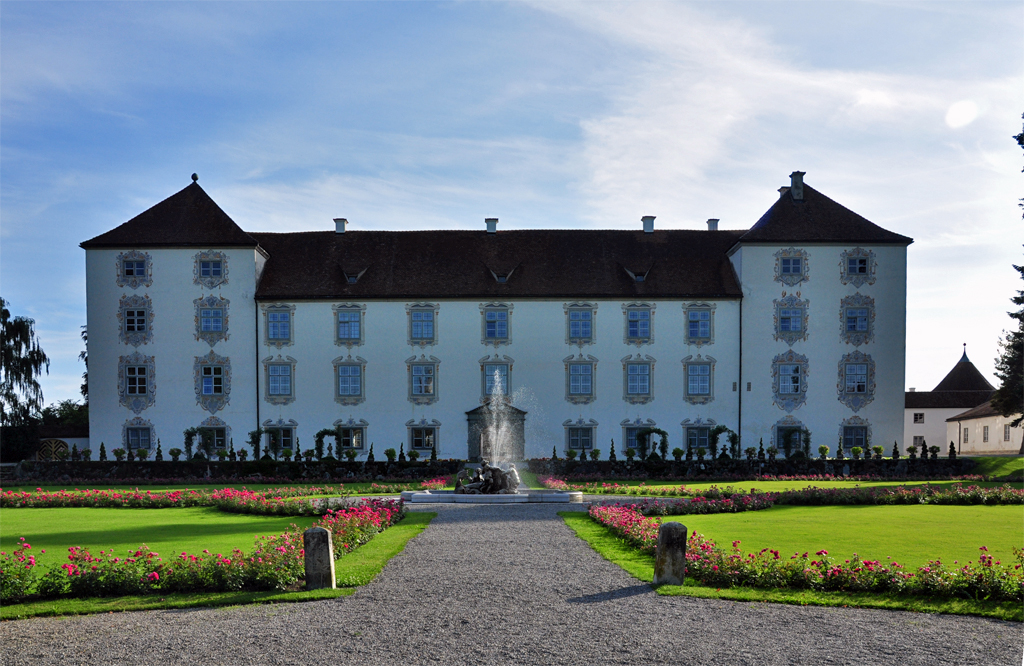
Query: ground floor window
[(918, 441), (984, 433), (285, 438), (854, 436), (351, 438), (788, 440), (423, 438), (138, 438), (697, 438), (581, 438)]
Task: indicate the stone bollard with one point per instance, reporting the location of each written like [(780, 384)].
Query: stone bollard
[(670, 558), (319, 558)]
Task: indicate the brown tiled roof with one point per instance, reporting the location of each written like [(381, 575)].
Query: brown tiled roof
[(945, 399), (816, 219), (979, 412), (459, 264), (964, 377), (188, 218)]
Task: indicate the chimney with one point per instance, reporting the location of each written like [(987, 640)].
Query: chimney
[(339, 225), (648, 221), (912, 389), (713, 224), (797, 185), (492, 224), (783, 190)]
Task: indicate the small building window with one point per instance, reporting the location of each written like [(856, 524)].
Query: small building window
[(966, 433), (138, 438), (1006, 432), (919, 441), (134, 269), (580, 439), (984, 433), (135, 314), (857, 266), (918, 418), (630, 438), (422, 438), (856, 319)]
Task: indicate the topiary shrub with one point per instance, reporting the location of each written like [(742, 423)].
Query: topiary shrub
[(175, 453), (677, 454), (390, 454)]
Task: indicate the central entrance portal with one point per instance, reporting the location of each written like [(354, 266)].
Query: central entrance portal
[(496, 433)]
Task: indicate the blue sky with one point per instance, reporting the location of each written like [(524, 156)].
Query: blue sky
[(421, 115)]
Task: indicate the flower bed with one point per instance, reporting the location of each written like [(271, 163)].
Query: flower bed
[(275, 562), (713, 566)]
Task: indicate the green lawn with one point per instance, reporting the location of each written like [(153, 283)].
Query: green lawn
[(166, 531), (912, 535), (999, 466)]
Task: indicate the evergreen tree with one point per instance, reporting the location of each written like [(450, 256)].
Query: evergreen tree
[(103, 451)]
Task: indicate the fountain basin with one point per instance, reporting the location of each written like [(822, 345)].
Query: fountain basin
[(530, 496)]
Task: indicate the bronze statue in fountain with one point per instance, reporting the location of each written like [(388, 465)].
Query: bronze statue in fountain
[(488, 480)]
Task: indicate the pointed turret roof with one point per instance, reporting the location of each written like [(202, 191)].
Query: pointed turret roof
[(188, 218), (816, 219), (964, 377)]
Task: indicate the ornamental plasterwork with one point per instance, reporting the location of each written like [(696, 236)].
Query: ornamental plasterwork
[(422, 343), (578, 340), (857, 279), (639, 342), (134, 281), (698, 423), (698, 399), (857, 422), (350, 399), (857, 301), (209, 303), (135, 302), (350, 307), (580, 359), (138, 422), (216, 401), (423, 359), (290, 309), (789, 401), (638, 399), (792, 279), (136, 402), (214, 422), (790, 302), (279, 399), (698, 307), (210, 282), (638, 423), (856, 400), (788, 421), (496, 342)]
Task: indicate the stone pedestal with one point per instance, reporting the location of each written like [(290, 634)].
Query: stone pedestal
[(319, 558), (670, 556)]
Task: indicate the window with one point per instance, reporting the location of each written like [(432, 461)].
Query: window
[(422, 438), (135, 315), (350, 380), (135, 321), (857, 267), (638, 324), (423, 379), (966, 432), (918, 418), (697, 438), (211, 320), (211, 269), (638, 378), (791, 320), (218, 438), (856, 378), (854, 436), (422, 322), (788, 439), (280, 376), (791, 266), (134, 269), (919, 441), (351, 438), (630, 438), (580, 439), (581, 379), (698, 376), (789, 378), (285, 438), (135, 380), (700, 323), (857, 316), (495, 378), (1006, 433), (581, 325), (213, 380), (496, 324), (984, 433), (857, 319), (349, 325), (279, 325), (137, 438)]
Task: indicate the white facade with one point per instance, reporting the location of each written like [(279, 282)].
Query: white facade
[(928, 424), (984, 436)]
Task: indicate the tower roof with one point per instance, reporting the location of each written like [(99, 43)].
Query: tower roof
[(964, 377)]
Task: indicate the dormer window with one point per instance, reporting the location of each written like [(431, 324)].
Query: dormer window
[(352, 279), (353, 276), (502, 279), (637, 276)]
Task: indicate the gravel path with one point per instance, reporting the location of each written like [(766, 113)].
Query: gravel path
[(539, 596)]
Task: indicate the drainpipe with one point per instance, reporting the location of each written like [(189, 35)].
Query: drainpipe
[(739, 386), (256, 347)]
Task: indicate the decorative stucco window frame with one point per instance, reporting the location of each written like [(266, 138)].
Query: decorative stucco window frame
[(785, 423), (856, 422), (280, 308), (361, 424), (698, 341), (628, 425), (792, 279), (424, 360), (134, 281), (135, 302), (281, 424), (639, 341), (856, 401), (213, 422), (580, 424), (789, 401), (857, 301), (422, 342), (857, 279), (580, 398), (212, 402), (211, 302), (210, 282), (136, 402), (638, 398), (138, 422), (338, 308), (791, 302), (279, 399), (699, 398), (580, 340), (496, 307), (350, 361), (495, 359), (423, 423)]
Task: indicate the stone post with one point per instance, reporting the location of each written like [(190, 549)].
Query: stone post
[(319, 558), (670, 557)]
